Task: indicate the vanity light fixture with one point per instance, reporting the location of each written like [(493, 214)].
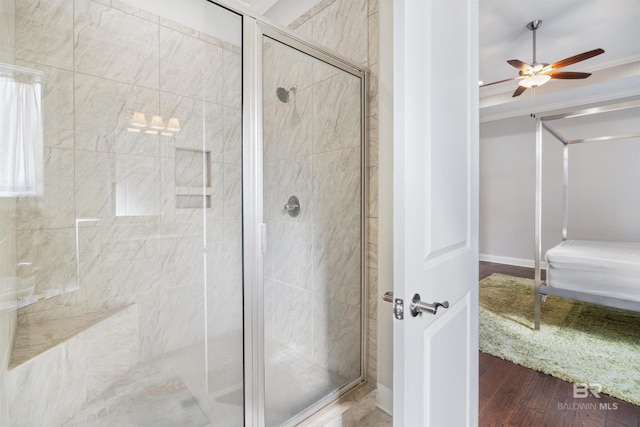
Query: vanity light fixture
[(138, 123)]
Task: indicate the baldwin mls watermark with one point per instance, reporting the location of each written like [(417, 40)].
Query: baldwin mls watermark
[(585, 391)]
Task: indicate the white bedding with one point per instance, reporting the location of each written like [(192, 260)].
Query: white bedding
[(610, 269)]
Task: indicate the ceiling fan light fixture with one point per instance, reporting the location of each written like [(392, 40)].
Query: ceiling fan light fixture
[(536, 74), (536, 68), (535, 81)]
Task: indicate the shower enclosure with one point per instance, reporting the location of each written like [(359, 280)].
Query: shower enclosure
[(196, 257)]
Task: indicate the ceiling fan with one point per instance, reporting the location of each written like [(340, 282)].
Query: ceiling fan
[(537, 74)]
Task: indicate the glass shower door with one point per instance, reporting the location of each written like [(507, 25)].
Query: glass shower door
[(128, 268), (313, 187)]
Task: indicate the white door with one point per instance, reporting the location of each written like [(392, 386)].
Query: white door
[(436, 211)]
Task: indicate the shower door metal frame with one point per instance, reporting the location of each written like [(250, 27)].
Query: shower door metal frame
[(254, 30)]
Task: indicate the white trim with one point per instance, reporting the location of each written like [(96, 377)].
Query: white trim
[(384, 400), (519, 262), (543, 108), (252, 217), (385, 204)]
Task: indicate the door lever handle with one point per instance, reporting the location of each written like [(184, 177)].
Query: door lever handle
[(418, 307), (388, 296), (398, 304)]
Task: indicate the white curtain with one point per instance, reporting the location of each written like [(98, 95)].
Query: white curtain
[(21, 147)]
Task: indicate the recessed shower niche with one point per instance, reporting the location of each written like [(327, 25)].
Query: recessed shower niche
[(193, 177)]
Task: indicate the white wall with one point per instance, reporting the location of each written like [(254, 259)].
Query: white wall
[(604, 182)]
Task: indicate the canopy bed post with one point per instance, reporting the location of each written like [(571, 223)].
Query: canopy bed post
[(565, 191), (538, 222), (540, 125)]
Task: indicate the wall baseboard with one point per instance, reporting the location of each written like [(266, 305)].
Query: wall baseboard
[(520, 262)]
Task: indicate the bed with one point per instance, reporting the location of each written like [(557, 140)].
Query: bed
[(600, 272)]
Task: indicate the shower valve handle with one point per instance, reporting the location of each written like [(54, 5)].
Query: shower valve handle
[(292, 207)]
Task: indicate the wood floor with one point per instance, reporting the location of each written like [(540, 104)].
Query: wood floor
[(511, 395)]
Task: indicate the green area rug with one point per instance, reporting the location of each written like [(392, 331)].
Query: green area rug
[(578, 342)]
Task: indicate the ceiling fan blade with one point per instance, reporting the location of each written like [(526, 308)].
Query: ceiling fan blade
[(522, 66), (568, 75), (500, 81), (576, 58), (518, 91)]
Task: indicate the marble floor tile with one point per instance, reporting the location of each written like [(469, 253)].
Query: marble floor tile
[(145, 396), (171, 391), (293, 383), (376, 418)]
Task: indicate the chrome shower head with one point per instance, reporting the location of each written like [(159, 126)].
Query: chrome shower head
[(285, 94)]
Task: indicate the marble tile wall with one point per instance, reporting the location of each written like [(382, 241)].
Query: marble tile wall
[(102, 61), (288, 171), (350, 27), (7, 30), (8, 318)]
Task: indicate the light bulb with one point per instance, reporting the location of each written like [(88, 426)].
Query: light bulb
[(173, 125)]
